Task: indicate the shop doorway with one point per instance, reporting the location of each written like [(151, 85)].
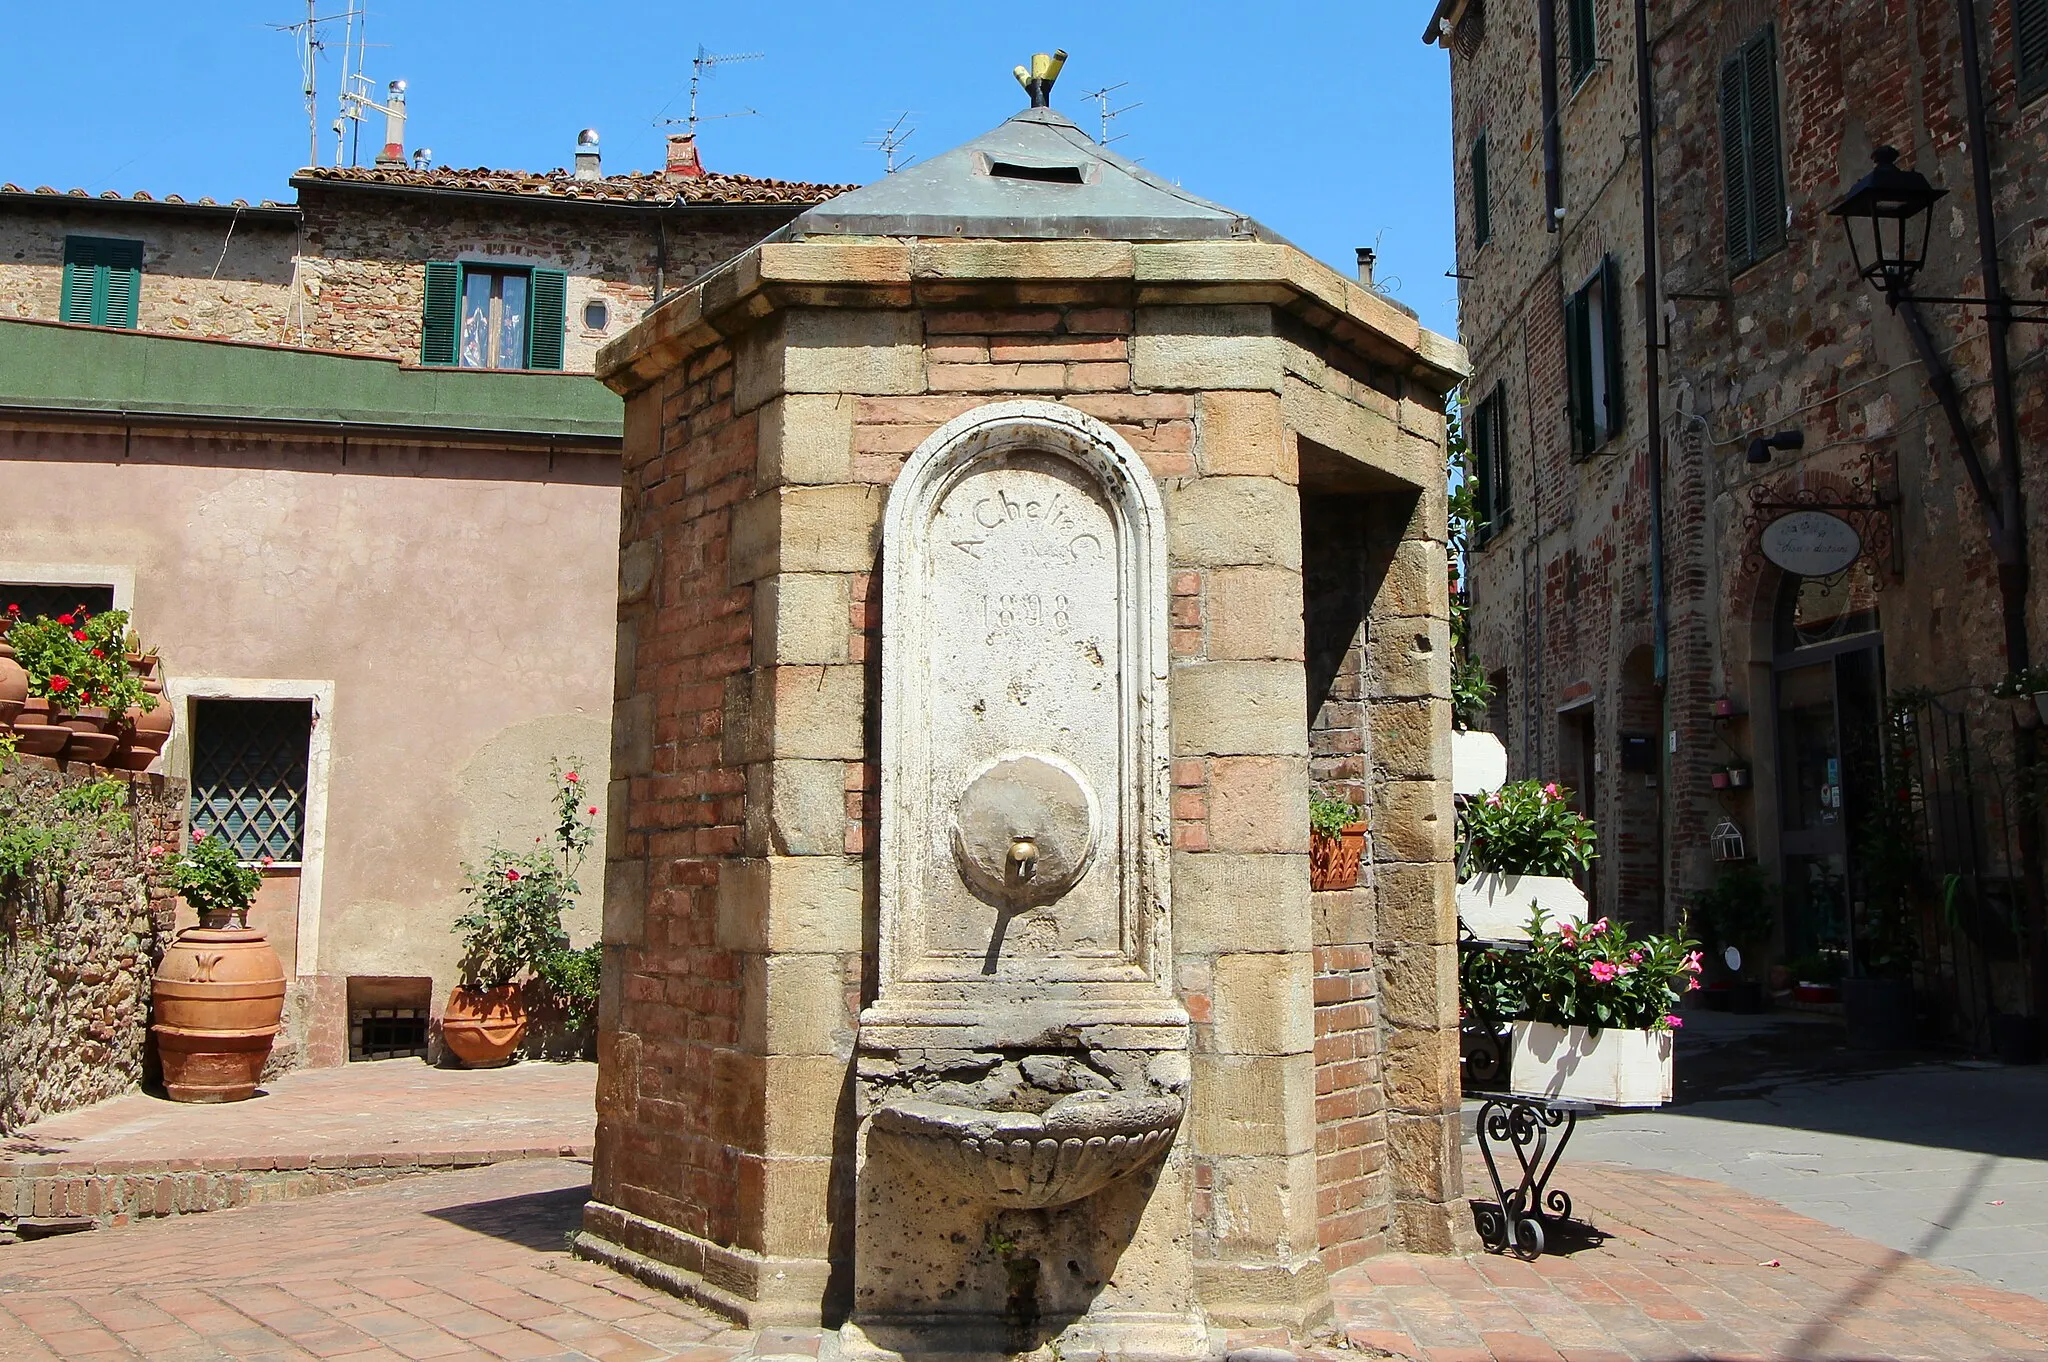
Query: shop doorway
[(1828, 690)]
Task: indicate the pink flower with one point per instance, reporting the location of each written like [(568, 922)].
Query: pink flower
[(1551, 791), (1692, 963), (512, 877), (198, 834), (571, 777), (1594, 929), (1635, 957), (1691, 984), (592, 810), (1601, 971), (1493, 800), (270, 860), (159, 851), (1673, 1020)]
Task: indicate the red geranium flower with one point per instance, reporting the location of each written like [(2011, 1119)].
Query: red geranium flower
[(60, 683), (66, 620), (98, 653), (78, 634)]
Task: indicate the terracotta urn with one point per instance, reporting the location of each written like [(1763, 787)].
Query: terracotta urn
[(34, 734), (217, 999), (1333, 861), (13, 686), (483, 1026)]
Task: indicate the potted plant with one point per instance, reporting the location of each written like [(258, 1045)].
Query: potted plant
[(219, 992), (1739, 912), (1523, 842), (512, 936), (1594, 1011), (78, 681), (2026, 684), (1336, 842)]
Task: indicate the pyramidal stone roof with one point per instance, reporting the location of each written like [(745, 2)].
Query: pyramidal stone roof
[(1035, 177)]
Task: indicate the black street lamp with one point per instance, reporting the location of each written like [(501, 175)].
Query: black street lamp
[(1889, 216)]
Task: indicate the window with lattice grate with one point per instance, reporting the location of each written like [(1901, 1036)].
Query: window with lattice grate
[(249, 760)]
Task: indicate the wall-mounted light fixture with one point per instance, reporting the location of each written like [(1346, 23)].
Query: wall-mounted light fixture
[(1760, 448)]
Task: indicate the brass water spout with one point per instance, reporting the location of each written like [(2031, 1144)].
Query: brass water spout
[(1024, 855)]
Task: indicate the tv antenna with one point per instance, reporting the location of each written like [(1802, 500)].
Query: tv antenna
[(702, 67), (1102, 102), (307, 31), (891, 140)]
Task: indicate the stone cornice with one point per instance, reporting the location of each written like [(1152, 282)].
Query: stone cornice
[(736, 296)]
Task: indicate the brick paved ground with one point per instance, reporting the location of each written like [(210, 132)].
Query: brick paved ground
[(472, 1264), (314, 1131)]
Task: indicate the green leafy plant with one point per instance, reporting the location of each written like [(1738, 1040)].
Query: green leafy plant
[(43, 839), (1739, 909), (210, 876), (77, 660), (1329, 817), (2022, 683), (1596, 976), (1471, 693), (513, 928), (1527, 827)]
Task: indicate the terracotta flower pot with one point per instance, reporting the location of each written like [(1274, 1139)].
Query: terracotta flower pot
[(1333, 861), (13, 686), (149, 729), (217, 999), (35, 735), (483, 1026), (95, 734)]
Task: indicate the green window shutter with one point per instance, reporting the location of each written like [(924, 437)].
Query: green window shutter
[(1579, 372), (1583, 30), (102, 281), (1752, 171), (440, 315), (2030, 45), (1482, 207), (1734, 166), (1766, 175), (1479, 462), (1497, 450), (547, 325), (1610, 327)]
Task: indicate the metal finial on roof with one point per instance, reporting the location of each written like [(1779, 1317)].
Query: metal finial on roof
[(1038, 77)]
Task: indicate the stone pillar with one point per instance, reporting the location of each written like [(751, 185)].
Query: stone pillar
[(1412, 872)]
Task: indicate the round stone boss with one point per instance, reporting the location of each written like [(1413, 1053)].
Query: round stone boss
[(1024, 829)]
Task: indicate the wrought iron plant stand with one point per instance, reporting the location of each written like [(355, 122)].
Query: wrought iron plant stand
[(1521, 1218)]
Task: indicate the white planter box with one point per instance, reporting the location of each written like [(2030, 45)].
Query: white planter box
[(1479, 764), (1496, 906), (1614, 1068)]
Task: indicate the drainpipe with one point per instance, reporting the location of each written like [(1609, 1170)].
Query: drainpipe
[(2012, 566), (1653, 403), (1546, 56)]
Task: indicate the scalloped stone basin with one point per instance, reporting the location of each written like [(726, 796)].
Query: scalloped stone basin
[(1078, 1146)]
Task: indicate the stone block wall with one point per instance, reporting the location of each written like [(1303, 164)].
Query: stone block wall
[(75, 967)]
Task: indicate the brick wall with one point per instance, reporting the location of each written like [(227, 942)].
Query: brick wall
[(75, 967), (670, 1119)]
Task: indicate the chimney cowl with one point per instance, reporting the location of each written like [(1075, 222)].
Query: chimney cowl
[(392, 157), (1367, 257), (589, 163), (682, 158)]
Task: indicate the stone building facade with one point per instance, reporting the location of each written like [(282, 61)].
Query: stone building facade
[(1763, 114), (344, 267), (758, 1021)]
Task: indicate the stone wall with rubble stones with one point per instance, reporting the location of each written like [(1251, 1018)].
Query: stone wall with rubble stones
[(75, 971), (197, 279), (365, 271), (742, 853)]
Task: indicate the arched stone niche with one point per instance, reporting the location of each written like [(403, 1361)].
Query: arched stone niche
[(1023, 710)]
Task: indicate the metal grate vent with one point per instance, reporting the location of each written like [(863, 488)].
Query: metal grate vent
[(388, 1033), (249, 774)]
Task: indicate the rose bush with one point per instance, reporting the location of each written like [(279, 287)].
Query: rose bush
[(514, 925)]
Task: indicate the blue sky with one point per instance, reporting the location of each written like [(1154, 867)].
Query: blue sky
[(1329, 122)]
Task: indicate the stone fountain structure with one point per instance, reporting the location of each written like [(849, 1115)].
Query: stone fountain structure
[(1006, 545)]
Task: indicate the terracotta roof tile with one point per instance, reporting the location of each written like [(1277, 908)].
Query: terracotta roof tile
[(139, 196), (636, 187)]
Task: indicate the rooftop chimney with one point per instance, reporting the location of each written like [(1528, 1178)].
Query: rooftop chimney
[(589, 165), (393, 155), (682, 157), (1366, 256)]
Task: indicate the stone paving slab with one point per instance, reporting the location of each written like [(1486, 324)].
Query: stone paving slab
[(310, 1132), (473, 1264)]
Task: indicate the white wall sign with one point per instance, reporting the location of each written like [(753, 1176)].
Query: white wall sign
[(1811, 543)]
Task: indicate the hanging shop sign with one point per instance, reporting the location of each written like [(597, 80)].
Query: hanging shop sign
[(1811, 543)]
